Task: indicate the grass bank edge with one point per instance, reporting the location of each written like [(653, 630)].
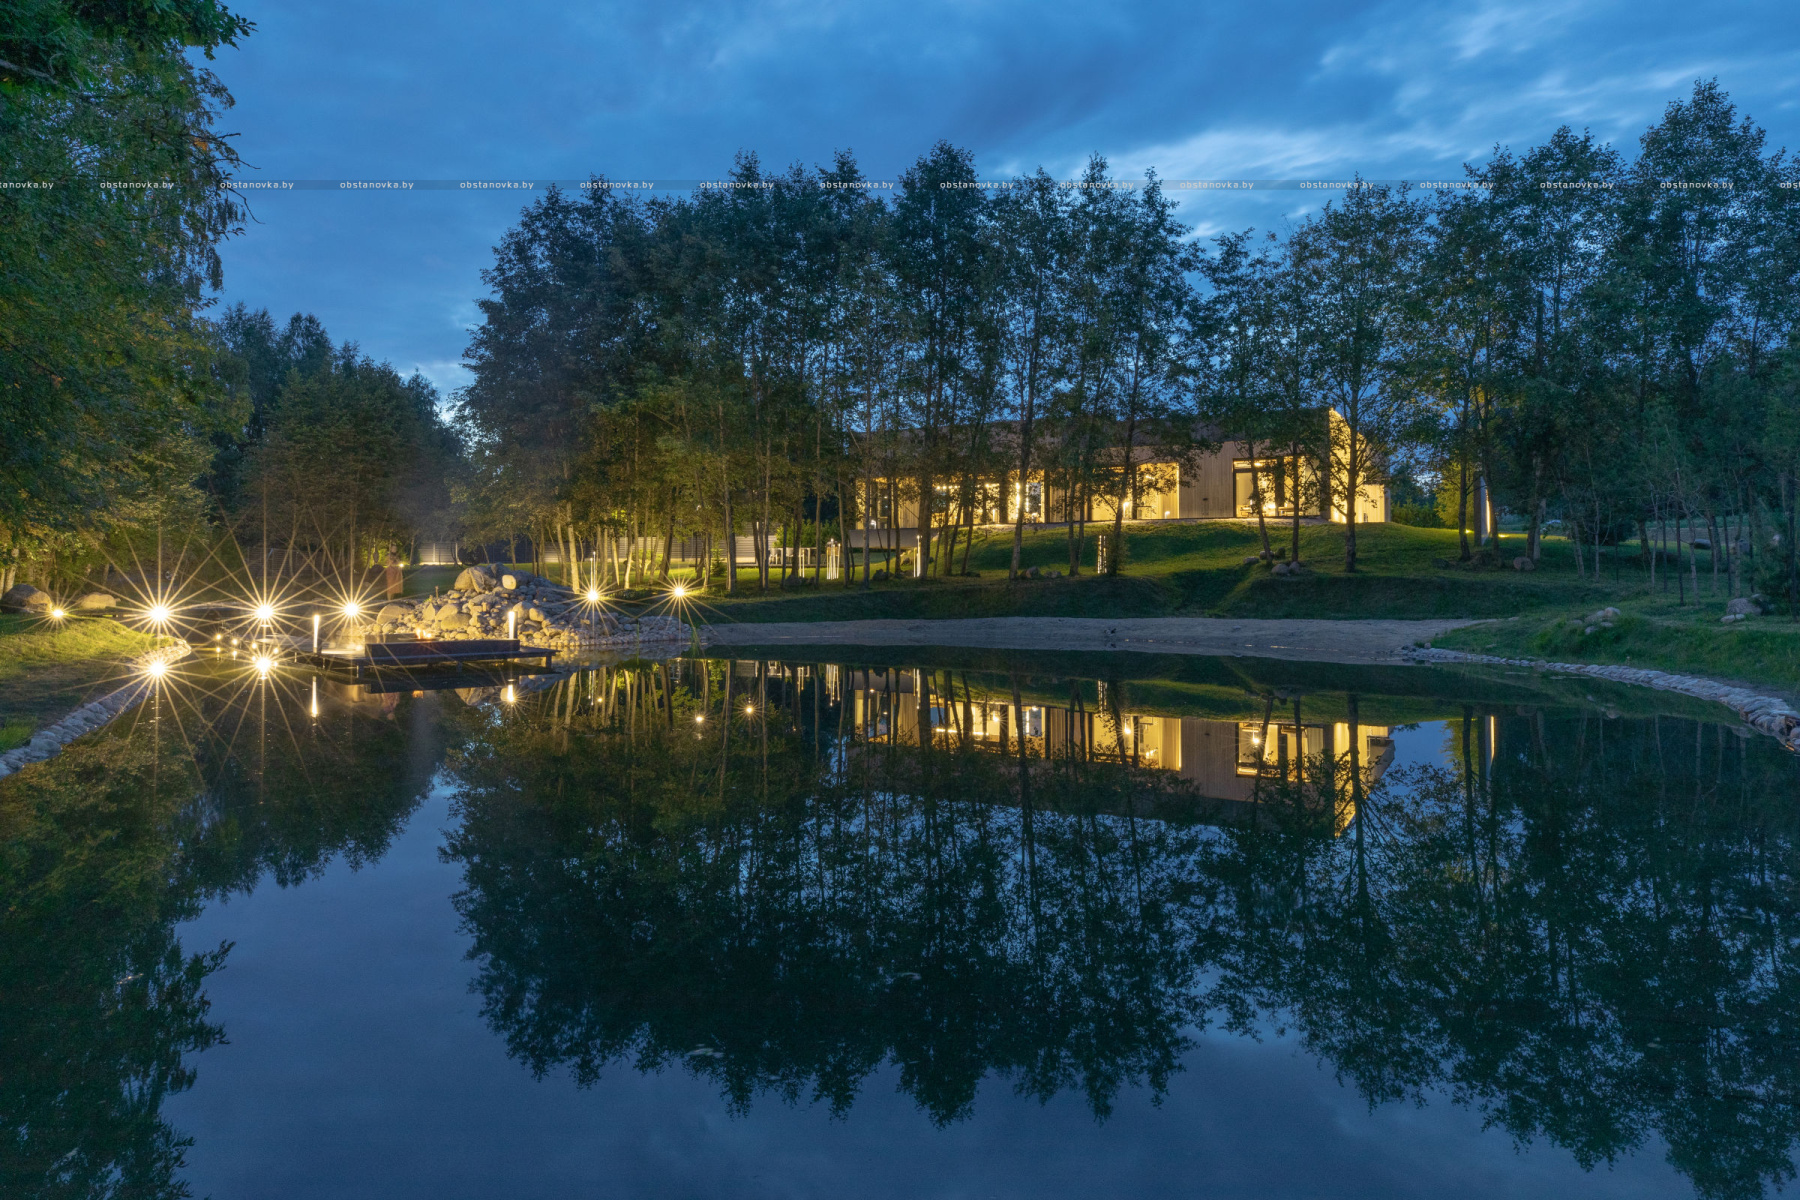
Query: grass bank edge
[(49, 670)]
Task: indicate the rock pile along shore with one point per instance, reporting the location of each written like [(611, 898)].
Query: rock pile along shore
[(1765, 714), (545, 614)]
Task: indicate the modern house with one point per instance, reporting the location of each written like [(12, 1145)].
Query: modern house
[(1221, 485)]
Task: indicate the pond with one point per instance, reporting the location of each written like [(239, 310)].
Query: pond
[(919, 923)]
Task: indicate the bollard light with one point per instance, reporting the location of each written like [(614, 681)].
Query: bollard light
[(315, 641), (265, 612), (593, 595), (512, 623), (57, 614), (315, 695), (352, 609)]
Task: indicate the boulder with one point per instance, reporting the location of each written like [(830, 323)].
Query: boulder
[(91, 600), (509, 582), (1522, 563), (393, 614), (23, 597), (452, 621), (475, 579), (1743, 606), (1282, 568)]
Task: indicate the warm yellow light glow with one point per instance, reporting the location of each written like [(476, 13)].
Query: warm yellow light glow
[(234, 641), (679, 591), (57, 614), (265, 612), (699, 718), (508, 695), (158, 613), (593, 595), (157, 669), (264, 663), (749, 708), (352, 608), (218, 637)]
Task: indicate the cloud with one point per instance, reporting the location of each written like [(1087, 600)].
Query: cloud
[(541, 89)]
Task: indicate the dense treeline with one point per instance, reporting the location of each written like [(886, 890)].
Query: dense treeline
[(338, 460), (125, 409), (106, 397), (1570, 337), (1599, 346), (751, 358)]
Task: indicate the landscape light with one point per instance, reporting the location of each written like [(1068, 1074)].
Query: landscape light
[(679, 591), (159, 613), (508, 695), (593, 595), (265, 612), (57, 614), (263, 663), (315, 640), (749, 708), (156, 669), (352, 608), (699, 718)]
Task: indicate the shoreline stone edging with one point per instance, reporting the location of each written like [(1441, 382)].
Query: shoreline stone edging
[(97, 714), (1765, 714)]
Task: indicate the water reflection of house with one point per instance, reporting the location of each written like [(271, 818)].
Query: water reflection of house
[(1224, 760)]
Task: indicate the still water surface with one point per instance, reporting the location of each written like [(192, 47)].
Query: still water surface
[(975, 925)]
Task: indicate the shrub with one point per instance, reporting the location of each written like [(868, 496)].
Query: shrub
[(1419, 516)]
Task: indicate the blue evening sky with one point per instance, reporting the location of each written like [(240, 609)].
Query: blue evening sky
[(379, 89)]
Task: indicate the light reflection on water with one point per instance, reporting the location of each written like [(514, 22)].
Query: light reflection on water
[(980, 912)]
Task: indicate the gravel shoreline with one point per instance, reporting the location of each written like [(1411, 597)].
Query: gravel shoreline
[(1368, 642)]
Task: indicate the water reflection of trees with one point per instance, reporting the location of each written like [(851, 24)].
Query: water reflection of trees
[(1583, 928), (1584, 931), (103, 850), (744, 894)]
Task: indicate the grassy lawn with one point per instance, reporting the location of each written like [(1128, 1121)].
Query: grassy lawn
[(47, 672), (1655, 634), (1198, 570)]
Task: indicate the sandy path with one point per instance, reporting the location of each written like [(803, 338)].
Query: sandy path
[(1309, 641)]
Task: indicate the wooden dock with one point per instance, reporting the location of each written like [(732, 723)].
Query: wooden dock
[(434, 654)]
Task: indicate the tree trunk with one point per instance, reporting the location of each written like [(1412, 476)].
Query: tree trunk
[(1256, 499), (1462, 507), (1793, 558), (1534, 538)]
